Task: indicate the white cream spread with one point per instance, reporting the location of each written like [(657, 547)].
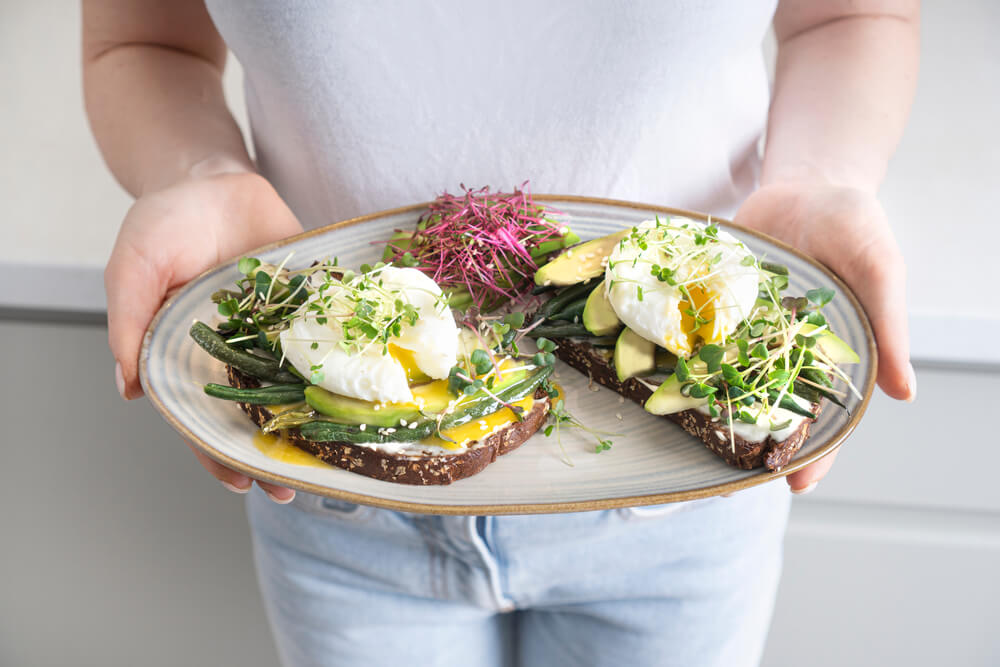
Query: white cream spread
[(762, 429)]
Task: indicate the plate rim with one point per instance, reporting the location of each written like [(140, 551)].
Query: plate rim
[(834, 443)]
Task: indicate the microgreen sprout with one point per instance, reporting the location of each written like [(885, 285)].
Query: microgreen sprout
[(484, 244)]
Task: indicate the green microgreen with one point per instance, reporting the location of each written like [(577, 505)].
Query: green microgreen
[(247, 265), (559, 416), (682, 371), (820, 296), (712, 355)]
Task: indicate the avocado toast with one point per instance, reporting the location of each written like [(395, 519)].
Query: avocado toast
[(681, 317)]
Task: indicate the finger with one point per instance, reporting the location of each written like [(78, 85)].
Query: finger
[(235, 481), (881, 288), (279, 494), (134, 294), (805, 480)]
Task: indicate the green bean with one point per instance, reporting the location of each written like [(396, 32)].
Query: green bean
[(565, 297), (559, 330), (485, 404), (571, 312), (324, 431), (814, 394), (216, 345), (279, 394), (603, 341), (817, 376)]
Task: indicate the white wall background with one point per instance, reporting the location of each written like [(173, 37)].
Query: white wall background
[(116, 549)]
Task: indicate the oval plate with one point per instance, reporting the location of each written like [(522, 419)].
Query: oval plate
[(652, 460)]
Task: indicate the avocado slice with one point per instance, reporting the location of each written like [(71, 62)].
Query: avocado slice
[(580, 262), (355, 411), (832, 346), (634, 355), (668, 399), (598, 315), (434, 395)]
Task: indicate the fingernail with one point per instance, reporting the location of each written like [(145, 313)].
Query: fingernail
[(806, 489), (280, 501), (234, 488), (912, 382), (120, 380)]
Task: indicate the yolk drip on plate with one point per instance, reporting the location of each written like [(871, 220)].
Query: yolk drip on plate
[(275, 447)]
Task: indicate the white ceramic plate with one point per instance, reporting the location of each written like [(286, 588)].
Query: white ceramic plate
[(652, 460)]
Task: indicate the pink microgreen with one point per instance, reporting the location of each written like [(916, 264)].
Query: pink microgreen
[(480, 241)]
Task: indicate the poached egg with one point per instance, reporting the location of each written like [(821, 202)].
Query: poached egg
[(703, 286), (317, 345)]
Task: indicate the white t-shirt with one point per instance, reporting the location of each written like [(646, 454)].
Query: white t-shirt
[(361, 106)]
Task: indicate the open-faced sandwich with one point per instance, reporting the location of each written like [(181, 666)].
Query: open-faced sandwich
[(382, 372), (679, 316), (370, 372)]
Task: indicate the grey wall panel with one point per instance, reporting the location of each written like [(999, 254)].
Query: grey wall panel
[(869, 585), (118, 548), (940, 451)]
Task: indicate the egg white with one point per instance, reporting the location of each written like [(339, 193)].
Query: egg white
[(727, 288), (371, 373)]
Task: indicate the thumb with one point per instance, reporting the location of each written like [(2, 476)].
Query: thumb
[(135, 292)]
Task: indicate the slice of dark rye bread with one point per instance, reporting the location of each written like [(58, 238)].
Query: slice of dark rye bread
[(431, 468), (747, 455)]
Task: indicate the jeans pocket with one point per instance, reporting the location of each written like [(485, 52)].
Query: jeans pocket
[(334, 508)]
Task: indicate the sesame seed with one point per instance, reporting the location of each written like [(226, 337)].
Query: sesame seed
[(618, 416), (363, 427)]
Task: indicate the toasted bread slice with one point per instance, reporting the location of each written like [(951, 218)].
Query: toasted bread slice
[(737, 451), (414, 466)]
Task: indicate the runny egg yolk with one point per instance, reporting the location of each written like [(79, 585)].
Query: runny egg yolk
[(434, 396), (697, 321), (407, 359), (479, 429)]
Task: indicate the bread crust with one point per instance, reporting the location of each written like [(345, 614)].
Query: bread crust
[(714, 434), (422, 470)]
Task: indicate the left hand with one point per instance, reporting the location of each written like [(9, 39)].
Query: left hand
[(847, 230)]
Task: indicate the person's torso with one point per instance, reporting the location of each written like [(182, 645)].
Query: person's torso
[(361, 106)]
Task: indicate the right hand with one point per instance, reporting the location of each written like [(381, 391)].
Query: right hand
[(169, 237)]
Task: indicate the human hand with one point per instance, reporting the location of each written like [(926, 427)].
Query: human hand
[(847, 230), (170, 236)]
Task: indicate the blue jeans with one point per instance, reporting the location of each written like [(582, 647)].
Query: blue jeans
[(675, 585)]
